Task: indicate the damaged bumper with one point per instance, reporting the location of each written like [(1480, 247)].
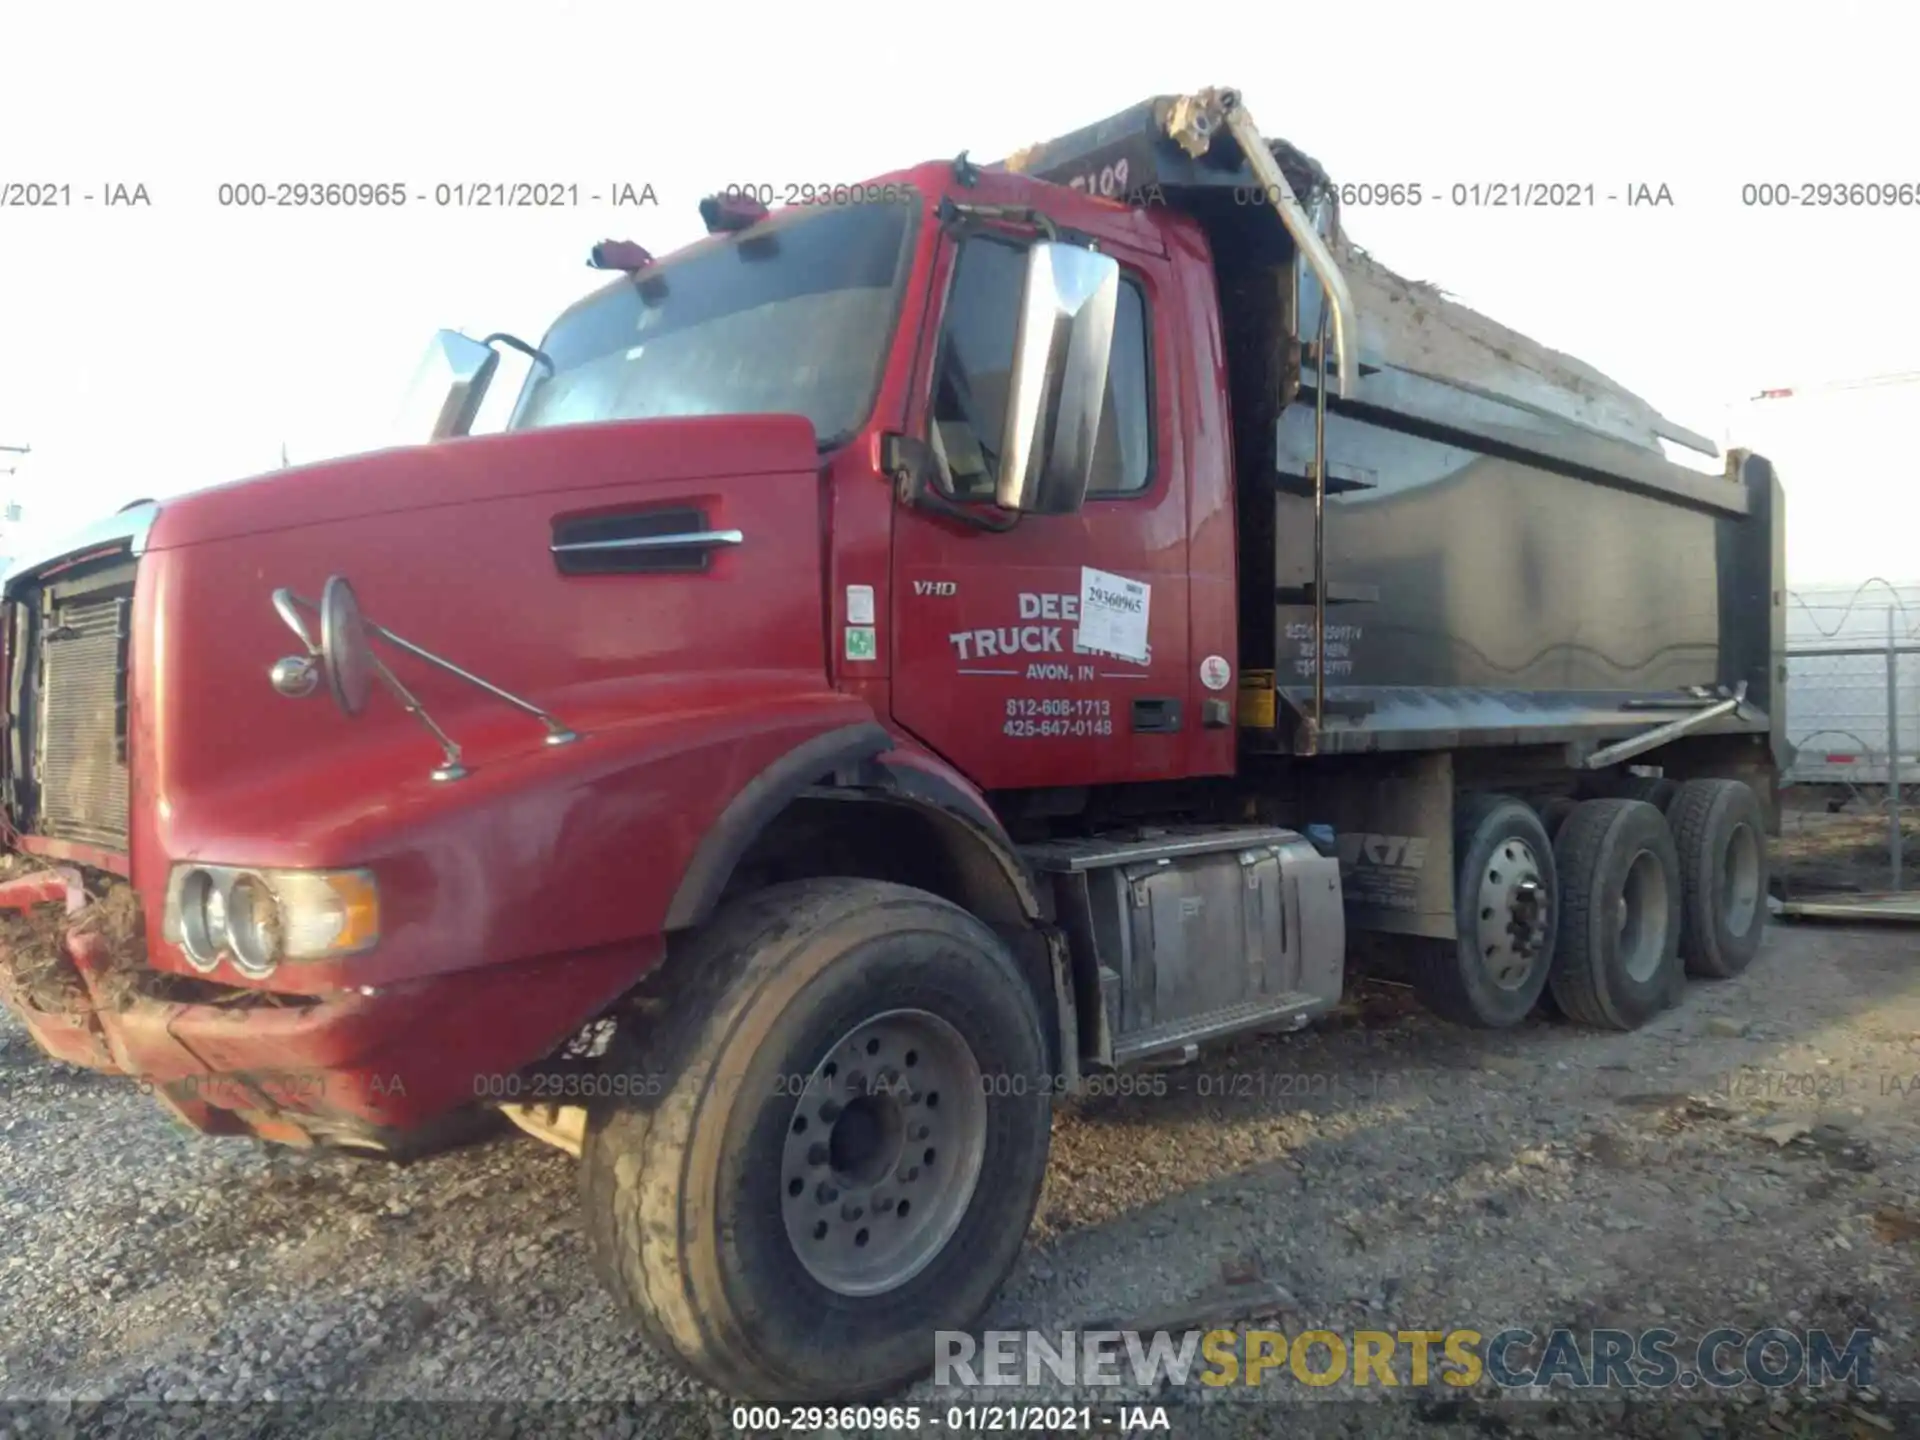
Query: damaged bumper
[(393, 1069)]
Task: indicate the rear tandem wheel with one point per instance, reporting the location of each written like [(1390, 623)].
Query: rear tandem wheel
[(1720, 833), (1505, 901), (1617, 964)]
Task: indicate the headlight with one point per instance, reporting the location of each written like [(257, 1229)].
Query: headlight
[(253, 924), (203, 918), (261, 917)]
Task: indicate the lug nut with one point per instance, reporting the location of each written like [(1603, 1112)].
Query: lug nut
[(850, 1211), (816, 1154), (826, 1194)]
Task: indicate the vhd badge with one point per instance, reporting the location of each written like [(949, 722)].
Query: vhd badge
[(1215, 672)]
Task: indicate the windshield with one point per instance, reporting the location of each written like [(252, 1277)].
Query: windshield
[(791, 317)]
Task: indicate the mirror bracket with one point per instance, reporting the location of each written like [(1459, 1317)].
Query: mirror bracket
[(911, 464), (341, 622)]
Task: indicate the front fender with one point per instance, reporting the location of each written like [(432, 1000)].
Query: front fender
[(839, 753), (921, 778), (553, 851)]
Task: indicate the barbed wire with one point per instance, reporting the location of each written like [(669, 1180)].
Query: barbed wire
[(1899, 602)]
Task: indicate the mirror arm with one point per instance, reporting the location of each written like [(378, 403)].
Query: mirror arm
[(557, 732), (289, 605), (514, 342), (922, 497), (449, 767), (910, 461), (952, 213)]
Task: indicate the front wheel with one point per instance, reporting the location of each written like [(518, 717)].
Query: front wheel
[(845, 1151)]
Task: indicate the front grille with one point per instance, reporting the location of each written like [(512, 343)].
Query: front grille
[(81, 759)]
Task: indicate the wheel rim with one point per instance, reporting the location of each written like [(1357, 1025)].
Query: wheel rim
[(883, 1152), (1643, 917), (1740, 880), (1513, 914)]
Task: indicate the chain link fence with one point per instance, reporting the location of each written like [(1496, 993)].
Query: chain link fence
[(1853, 717)]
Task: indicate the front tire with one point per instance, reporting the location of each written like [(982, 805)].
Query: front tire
[(860, 1051)]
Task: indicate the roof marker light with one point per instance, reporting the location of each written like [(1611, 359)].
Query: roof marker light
[(731, 212), (619, 255)]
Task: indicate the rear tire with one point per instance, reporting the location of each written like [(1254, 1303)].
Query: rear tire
[(1506, 911), (1719, 831), (804, 1009), (1617, 964), (1656, 790), (1554, 813)]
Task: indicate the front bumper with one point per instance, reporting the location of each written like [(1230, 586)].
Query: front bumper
[(371, 1070)]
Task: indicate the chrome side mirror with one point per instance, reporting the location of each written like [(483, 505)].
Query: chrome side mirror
[(1059, 380), (448, 388), (346, 649)]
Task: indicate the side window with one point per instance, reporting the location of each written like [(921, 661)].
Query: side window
[(974, 365), (1123, 455)]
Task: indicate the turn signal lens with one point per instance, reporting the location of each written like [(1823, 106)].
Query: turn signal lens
[(325, 913)]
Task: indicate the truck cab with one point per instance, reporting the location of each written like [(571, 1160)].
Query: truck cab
[(893, 668)]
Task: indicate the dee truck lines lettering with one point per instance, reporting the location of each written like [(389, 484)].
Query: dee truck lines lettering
[(1008, 641)]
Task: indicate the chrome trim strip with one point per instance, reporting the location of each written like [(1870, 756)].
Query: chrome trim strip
[(687, 540), (131, 525)]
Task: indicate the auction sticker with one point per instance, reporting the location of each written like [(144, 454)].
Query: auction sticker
[(1215, 672)]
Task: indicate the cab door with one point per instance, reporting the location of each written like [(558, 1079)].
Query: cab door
[(1055, 652)]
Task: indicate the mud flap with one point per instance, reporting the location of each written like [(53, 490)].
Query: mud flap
[(1395, 830)]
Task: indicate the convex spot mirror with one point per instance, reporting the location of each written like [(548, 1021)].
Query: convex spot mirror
[(1059, 379), (346, 647)]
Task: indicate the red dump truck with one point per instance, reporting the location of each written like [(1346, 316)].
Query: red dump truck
[(907, 658)]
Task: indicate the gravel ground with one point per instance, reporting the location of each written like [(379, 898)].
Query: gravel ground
[(1750, 1159)]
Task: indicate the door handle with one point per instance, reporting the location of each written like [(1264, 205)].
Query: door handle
[(1156, 716)]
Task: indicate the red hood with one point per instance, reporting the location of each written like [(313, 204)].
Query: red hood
[(453, 472)]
